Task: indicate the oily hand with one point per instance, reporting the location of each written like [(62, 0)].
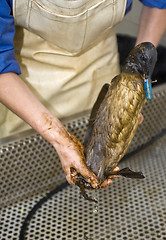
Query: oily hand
[(68, 148), (73, 161)]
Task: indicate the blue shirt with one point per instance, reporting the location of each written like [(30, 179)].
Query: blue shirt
[(8, 61)]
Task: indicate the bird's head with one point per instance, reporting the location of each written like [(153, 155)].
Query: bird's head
[(142, 60)]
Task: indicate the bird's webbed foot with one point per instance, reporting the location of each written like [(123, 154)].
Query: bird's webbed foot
[(83, 184), (125, 172)]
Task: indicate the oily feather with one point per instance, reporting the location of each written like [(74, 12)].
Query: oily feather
[(115, 123)]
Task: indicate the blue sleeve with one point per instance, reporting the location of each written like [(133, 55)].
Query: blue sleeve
[(128, 6), (8, 61), (161, 4)]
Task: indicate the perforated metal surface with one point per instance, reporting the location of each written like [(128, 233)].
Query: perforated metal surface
[(127, 209)]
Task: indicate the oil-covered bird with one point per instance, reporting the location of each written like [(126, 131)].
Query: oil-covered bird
[(115, 115)]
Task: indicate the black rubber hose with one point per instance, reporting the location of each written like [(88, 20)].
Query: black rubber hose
[(65, 184), (37, 206)]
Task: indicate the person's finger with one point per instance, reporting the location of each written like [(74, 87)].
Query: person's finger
[(116, 169), (141, 119), (106, 183), (69, 179), (113, 176), (89, 176)]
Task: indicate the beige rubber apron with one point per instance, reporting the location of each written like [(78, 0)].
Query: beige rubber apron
[(66, 50)]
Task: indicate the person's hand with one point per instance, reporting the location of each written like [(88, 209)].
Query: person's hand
[(108, 181), (69, 149), (72, 159)]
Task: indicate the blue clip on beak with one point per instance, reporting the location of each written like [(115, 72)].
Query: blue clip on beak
[(148, 88)]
